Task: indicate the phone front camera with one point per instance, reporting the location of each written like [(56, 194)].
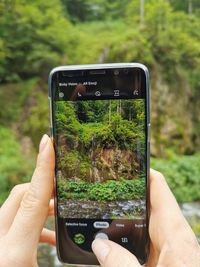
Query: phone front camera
[(116, 72)]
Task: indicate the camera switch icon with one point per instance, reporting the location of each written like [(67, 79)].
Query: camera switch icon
[(97, 93)]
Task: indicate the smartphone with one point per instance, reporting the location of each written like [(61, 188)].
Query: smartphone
[(100, 124)]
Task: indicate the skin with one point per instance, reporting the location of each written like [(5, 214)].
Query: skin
[(23, 215)]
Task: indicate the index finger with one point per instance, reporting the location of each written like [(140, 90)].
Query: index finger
[(32, 213)]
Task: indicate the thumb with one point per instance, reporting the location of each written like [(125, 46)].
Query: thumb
[(110, 254)]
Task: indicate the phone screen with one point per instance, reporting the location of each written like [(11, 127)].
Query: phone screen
[(99, 124)]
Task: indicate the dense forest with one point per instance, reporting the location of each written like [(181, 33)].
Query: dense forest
[(99, 141), (36, 36), (100, 147)]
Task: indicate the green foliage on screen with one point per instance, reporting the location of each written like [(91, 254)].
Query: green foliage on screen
[(107, 191)]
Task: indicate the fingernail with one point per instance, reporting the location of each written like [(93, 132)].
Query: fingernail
[(100, 249), (43, 142)]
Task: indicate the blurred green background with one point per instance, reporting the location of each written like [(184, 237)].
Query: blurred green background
[(36, 36)]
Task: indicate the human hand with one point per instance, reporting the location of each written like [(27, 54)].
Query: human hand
[(173, 244), (23, 214)]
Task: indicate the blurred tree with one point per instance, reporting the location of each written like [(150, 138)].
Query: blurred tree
[(91, 10), (14, 166), (33, 35), (188, 6), (142, 8)]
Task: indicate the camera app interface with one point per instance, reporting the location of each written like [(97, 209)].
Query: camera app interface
[(100, 139)]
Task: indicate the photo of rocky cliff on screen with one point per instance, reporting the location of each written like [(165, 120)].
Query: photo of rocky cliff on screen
[(101, 170)]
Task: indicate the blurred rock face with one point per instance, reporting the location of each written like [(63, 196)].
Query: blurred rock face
[(175, 112)]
